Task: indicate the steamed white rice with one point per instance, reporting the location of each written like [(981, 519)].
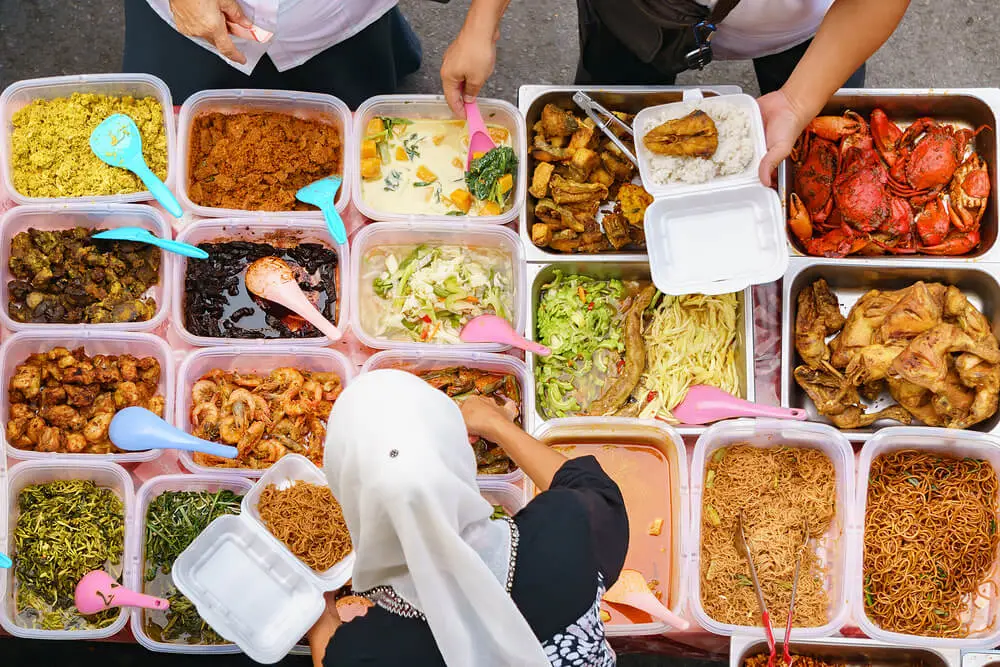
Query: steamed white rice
[(734, 154)]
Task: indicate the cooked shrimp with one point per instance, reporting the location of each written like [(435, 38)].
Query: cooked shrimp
[(241, 403), (250, 439), (230, 430), (204, 391)]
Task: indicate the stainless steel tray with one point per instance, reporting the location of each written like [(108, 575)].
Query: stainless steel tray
[(855, 652), (532, 98), (849, 280), (540, 274), (964, 107)]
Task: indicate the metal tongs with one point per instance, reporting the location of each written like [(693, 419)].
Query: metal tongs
[(786, 656), (604, 119), (740, 540)]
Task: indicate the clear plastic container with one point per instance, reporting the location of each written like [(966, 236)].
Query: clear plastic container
[(18, 347), (104, 474), (93, 216), (248, 586), (247, 359), (381, 234), (508, 496), (308, 106), (416, 362), (144, 496), (258, 230), (495, 112), (627, 431), (21, 93), (833, 552), (945, 442)]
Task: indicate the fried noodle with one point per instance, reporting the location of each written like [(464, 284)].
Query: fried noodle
[(308, 519)]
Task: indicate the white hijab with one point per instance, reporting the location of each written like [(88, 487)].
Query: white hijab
[(398, 460)]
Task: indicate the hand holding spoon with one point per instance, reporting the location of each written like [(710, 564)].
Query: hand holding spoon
[(272, 279), (97, 592)]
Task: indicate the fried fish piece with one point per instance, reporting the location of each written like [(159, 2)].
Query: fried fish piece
[(540, 180), (557, 122), (617, 392), (558, 217), (694, 135), (616, 227), (565, 191)]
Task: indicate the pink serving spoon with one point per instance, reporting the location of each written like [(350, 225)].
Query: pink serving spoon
[(272, 279), (97, 591), (704, 404), (479, 137), (495, 329), (632, 590)]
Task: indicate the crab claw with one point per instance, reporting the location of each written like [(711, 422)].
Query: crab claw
[(933, 223), (886, 135), (798, 219), (900, 218), (956, 243), (835, 128)]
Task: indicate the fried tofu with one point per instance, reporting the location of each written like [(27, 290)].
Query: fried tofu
[(540, 180), (541, 234), (582, 163), (601, 175), (585, 137)]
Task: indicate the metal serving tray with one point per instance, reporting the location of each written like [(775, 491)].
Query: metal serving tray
[(854, 652), (979, 282), (964, 107), (531, 100), (540, 274)]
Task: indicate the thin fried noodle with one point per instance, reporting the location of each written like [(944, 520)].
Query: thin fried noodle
[(781, 491), (308, 519), (930, 542)]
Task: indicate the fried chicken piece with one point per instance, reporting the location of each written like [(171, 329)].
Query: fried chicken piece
[(918, 309), (618, 391), (540, 180), (105, 369), (569, 192), (541, 234), (50, 440), (60, 416), (858, 331), (694, 135), (838, 400), (557, 217), (984, 378), (633, 200), (52, 396), (818, 316), (27, 380), (557, 122), (616, 227), (872, 363), (924, 362), (967, 317)]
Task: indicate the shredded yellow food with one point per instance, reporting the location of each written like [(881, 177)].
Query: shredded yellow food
[(689, 340)]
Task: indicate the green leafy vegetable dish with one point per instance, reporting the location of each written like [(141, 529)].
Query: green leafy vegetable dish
[(485, 178)]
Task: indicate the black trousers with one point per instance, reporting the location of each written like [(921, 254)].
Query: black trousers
[(605, 60), (372, 62)]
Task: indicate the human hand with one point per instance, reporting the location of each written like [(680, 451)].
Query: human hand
[(483, 417), (783, 123), (207, 19), (322, 631), (467, 64)]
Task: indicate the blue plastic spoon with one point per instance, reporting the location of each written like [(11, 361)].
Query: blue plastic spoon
[(117, 142), (5, 562), (137, 430), (323, 193), (140, 235)]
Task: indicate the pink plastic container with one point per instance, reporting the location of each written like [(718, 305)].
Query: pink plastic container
[(416, 362), (247, 359), (308, 106), (16, 349), (20, 94), (383, 234), (93, 216), (259, 230), (144, 496)]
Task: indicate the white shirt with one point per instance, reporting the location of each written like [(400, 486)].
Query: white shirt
[(302, 28), (758, 28)]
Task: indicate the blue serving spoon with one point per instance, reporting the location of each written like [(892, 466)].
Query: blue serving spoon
[(140, 235), (137, 430), (5, 562), (323, 193), (117, 142)]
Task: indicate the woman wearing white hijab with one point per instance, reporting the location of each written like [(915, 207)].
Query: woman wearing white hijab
[(452, 586)]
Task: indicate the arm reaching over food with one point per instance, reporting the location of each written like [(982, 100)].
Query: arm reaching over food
[(850, 33), (469, 61)]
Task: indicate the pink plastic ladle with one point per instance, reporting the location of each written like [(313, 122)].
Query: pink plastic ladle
[(704, 404), (479, 137), (495, 329), (97, 591), (271, 278)]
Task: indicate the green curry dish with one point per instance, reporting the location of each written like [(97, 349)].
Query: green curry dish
[(483, 177)]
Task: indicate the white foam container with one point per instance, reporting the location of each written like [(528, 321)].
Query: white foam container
[(93, 216), (307, 106), (416, 362), (421, 107), (144, 496), (768, 434), (941, 441), (735, 220), (247, 359), (382, 234), (15, 350), (19, 94), (258, 230), (247, 585), (629, 431), (104, 474)]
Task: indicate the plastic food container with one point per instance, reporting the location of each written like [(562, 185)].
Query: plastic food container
[(382, 234), (853, 651), (247, 585), (416, 362), (735, 220), (622, 431), (508, 496), (93, 216), (981, 659), (767, 434), (144, 496), (18, 95), (258, 230), (247, 359), (104, 474), (16, 349), (495, 112), (307, 106), (946, 442)]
